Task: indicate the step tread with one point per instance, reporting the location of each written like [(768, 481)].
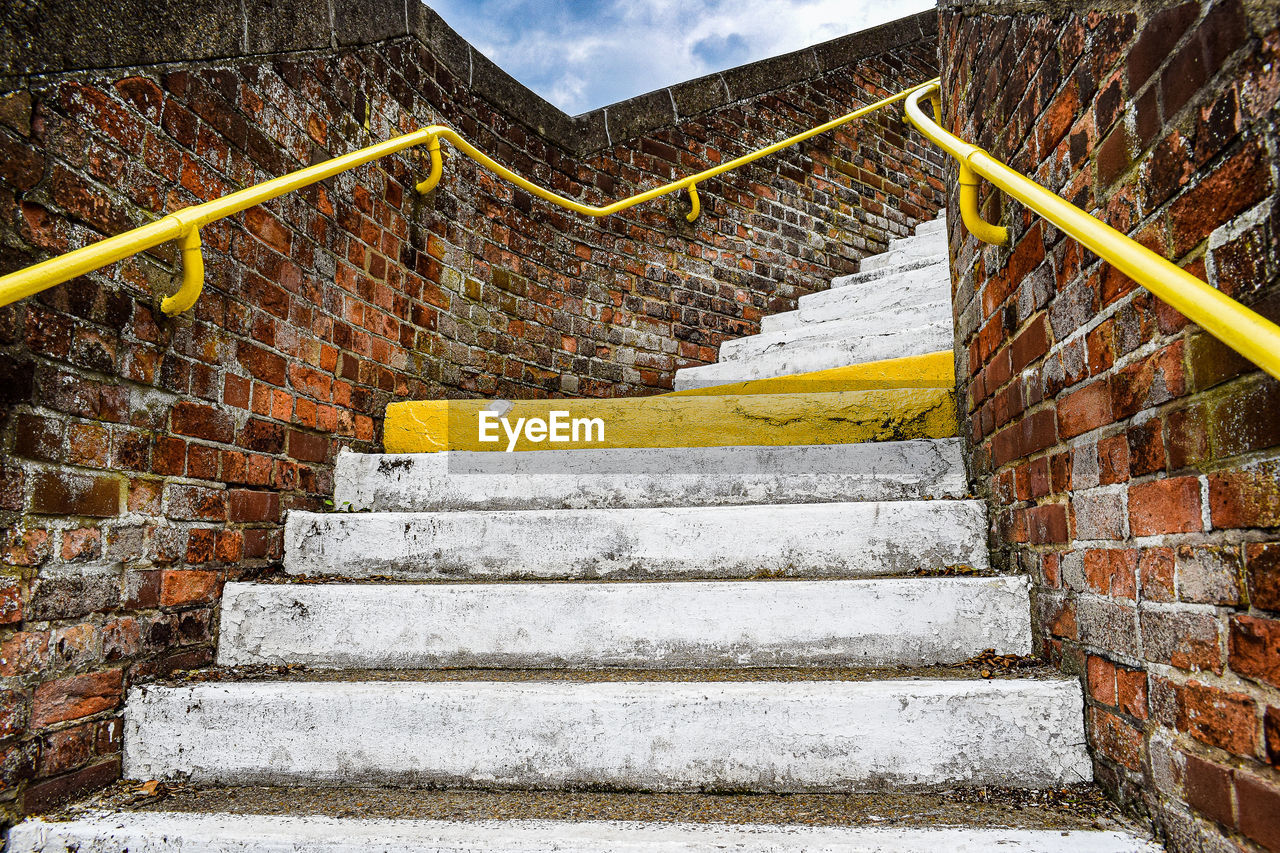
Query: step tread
[(806, 356), (159, 832), (1078, 807), (663, 624), (838, 329)]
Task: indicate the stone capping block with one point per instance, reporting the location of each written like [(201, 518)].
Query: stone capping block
[(56, 36)]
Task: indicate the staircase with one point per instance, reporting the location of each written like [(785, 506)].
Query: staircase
[(711, 603)]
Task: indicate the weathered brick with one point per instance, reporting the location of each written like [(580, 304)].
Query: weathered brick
[(1165, 506), (1259, 805), (66, 493), (179, 587), (1209, 790), (1262, 566), (1254, 649), (1217, 717), (75, 697)]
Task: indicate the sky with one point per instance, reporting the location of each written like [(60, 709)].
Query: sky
[(583, 54)]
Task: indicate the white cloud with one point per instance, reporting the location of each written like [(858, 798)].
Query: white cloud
[(581, 54)]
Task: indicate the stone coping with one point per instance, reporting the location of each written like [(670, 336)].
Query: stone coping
[(46, 37)]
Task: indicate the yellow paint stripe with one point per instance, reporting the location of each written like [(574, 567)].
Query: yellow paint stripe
[(932, 370), (841, 417)]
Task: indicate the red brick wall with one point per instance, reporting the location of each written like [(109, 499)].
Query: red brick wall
[(1131, 460), (145, 460)]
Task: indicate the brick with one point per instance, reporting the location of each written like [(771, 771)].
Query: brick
[(76, 697), (1115, 738), (1218, 718), (201, 421), (1246, 498), (307, 447), (1271, 733), (1259, 803), (1209, 790), (197, 503), (1131, 692), (1083, 410), (1165, 506), (1262, 572), (1188, 640), (1239, 183), (180, 587), (1156, 41), (1209, 574), (1101, 679), (1254, 648), (65, 493), (48, 794), (247, 505), (24, 652)]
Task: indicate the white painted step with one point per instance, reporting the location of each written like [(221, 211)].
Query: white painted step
[(899, 291), (932, 226), (838, 330), (815, 540), (695, 625), (774, 736), (804, 356), (866, 276), (160, 832), (906, 250), (651, 477)]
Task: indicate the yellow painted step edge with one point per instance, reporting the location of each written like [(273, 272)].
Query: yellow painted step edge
[(931, 370), (841, 417)]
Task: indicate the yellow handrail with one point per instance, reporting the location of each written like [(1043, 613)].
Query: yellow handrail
[(185, 224), (1245, 331)]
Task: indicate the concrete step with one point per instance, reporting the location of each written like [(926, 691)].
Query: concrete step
[(699, 624), (650, 477), (930, 283), (899, 291), (650, 736), (809, 540), (167, 832), (931, 370), (866, 275), (839, 326), (909, 249), (780, 322), (932, 226), (804, 357), (834, 417)]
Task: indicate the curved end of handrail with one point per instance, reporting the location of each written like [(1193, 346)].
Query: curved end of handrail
[(192, 275), (697, 205), (437, 166), (985, 231)]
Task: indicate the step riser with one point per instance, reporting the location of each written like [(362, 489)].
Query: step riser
[(910, 249), (187, 833), (802, 358), (702, 476), (901, 622), (867, 276), (838, 330), (776, 737), (810, 540)]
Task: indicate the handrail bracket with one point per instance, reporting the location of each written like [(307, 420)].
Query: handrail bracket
[(696, 211), (192, 274), (985, 231)]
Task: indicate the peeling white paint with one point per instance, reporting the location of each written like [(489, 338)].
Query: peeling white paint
[(897, 622), (161, 832), (813, 540), (659, 736), (650, 477)]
